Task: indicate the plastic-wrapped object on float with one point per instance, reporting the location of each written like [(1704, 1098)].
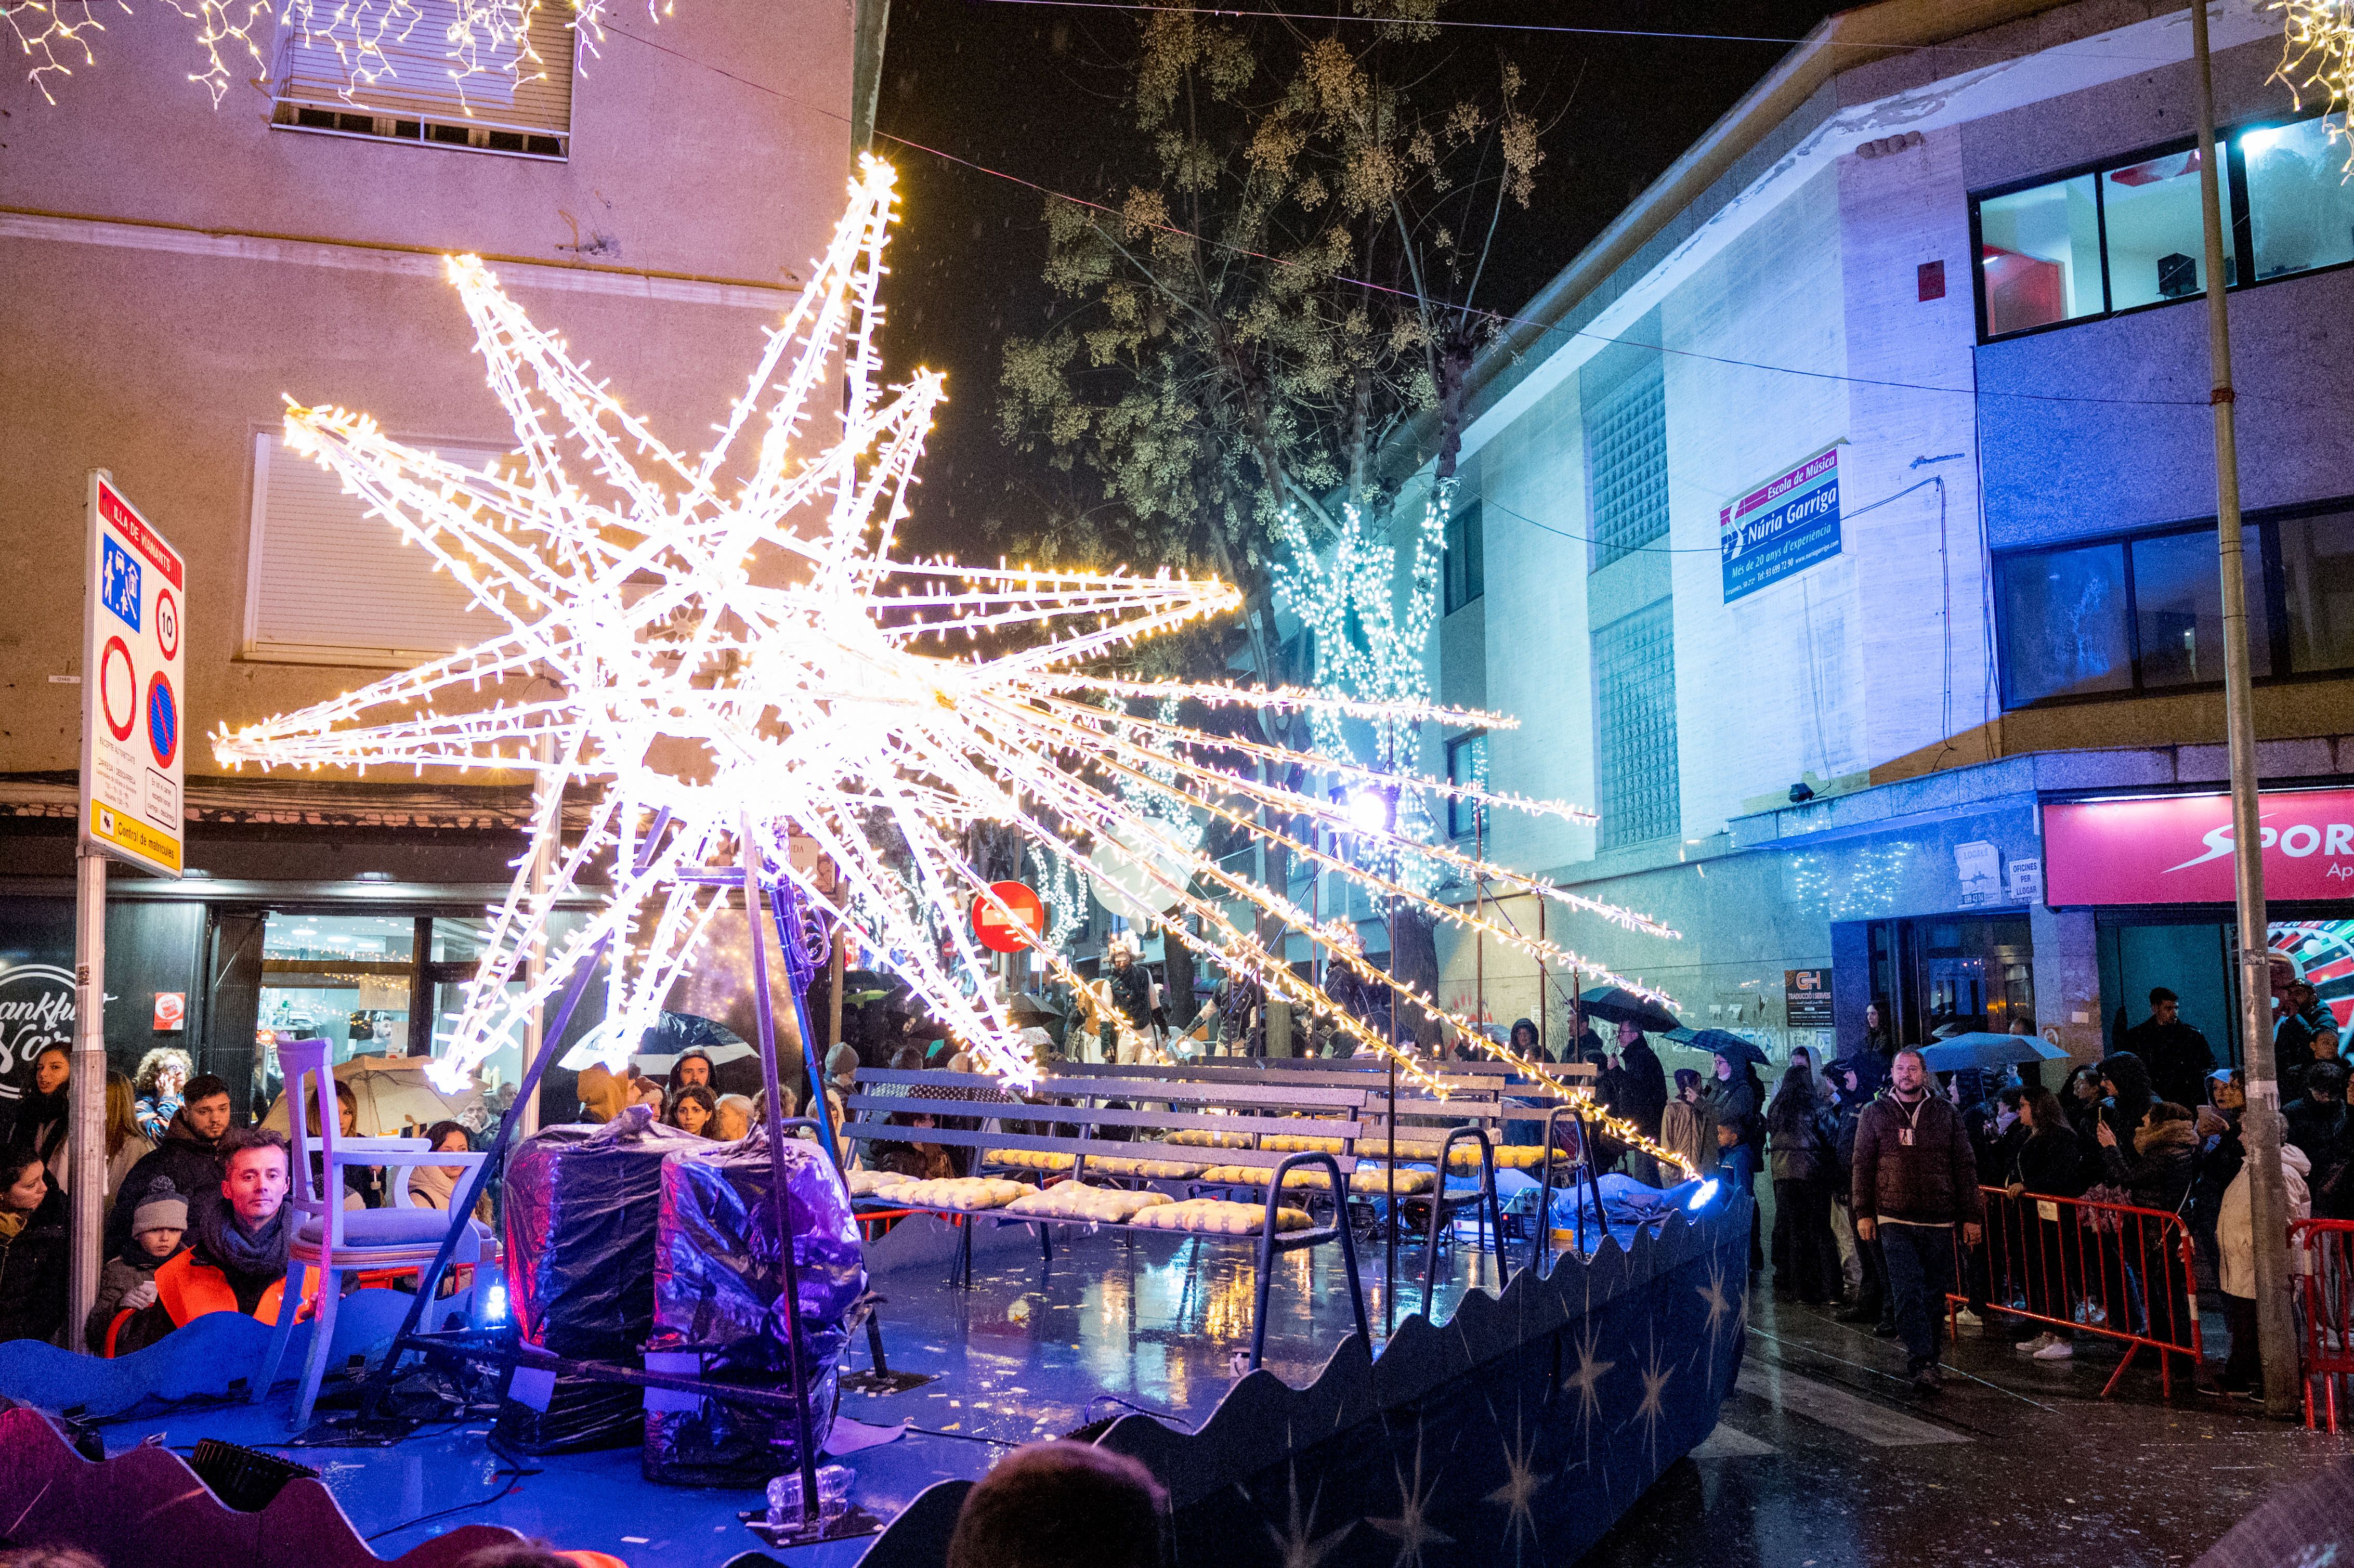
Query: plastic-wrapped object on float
[(583, 1415), (720, 1299), (581, 1212)]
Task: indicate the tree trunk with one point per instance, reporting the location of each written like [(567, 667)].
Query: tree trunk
[(1415, 963)]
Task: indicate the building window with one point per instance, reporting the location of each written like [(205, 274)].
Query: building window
[(1627, 440), (2123, 617), (1467, 767), (1635, 713), (1466, 576), (328, 583), (518, 101), (2127, 233)]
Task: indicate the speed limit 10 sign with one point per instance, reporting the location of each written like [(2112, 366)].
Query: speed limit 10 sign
[(134, 717)]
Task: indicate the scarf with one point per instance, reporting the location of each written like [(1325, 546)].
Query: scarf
[(223, 1241), (12, 1224)]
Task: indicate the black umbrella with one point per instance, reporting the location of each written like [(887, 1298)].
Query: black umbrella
[(1034, 1006), (1622, 1006), (1732, 1047)]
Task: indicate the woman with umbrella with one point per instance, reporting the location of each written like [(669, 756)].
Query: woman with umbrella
[(1738, 1098)]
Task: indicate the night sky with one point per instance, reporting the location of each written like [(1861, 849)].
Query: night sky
[(1034, 91)]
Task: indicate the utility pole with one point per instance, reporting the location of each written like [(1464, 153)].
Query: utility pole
[(2261, 1123)]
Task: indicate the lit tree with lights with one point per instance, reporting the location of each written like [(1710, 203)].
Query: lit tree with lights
[(1224, 384)]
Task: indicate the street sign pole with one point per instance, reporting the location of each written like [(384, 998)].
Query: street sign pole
[(135, 633), (2261, 1122)]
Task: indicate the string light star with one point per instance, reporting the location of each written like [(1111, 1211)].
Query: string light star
[(739, 660)]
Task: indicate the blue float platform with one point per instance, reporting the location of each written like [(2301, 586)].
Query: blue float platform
[(1538, 1413)]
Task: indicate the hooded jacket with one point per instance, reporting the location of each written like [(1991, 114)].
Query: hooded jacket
[(33, 1265), (1932, 1179), (2133, 1099), (2165, 1158), (1691, 1131), (192, 1162), (2235, 1233)]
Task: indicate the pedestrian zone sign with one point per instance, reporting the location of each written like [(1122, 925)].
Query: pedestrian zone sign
[(134, 718)]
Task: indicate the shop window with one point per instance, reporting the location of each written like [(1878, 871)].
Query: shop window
[(1634, 708), (1466, 574), (2145, 614), (1627, 442), (517, 100), (344, 978), (1467, 765), (329, 583), (2065, 629), (2040, 256), (2128, 233), (2300, 205)]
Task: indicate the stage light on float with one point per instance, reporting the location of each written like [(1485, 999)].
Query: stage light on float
[(845, 704)]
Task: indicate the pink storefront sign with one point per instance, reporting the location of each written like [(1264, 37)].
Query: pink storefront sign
[(2177, 849)]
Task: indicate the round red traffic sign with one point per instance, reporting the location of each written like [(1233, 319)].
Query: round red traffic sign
[(1001, 934), (163, 720), (116, 651), (168, 623)]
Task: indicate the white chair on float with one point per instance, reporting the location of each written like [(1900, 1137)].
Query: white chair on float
[(332, 1240)]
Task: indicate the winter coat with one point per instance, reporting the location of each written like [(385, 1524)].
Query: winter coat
[(2221, 1155), (2177, 1055), (192, 1163), (122, 1274), (2158, 1175), (2125, 1111), (2325, 1131), (2048, 1164), (1931, 1180), (1843, 1119), (1691, 1131), (1736, 1104), (1643, 1093), (1793, 1139), (124, 1160), (33, 1265), (2235, 1233)]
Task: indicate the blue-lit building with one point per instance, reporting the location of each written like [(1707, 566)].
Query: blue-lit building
[(1850, 505)]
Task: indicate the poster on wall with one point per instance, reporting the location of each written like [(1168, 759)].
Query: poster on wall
[(1807, 996), (2324, 954), (1785, 526), (37, 985)]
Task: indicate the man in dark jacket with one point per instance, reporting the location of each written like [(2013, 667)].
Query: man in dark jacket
[(2178, 1056), (2321, 1125), (1914, 1176), (1643, 1089), (189, 1155)]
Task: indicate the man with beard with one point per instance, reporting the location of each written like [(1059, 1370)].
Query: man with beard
[(189, 1156)]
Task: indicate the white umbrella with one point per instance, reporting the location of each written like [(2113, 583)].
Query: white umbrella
[(393, 1092)]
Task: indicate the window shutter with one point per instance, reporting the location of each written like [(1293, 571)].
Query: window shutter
[(416, 78), (330, 584)]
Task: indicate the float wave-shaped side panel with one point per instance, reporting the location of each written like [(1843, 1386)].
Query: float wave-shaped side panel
[(1537, 1415), (147, 1507)]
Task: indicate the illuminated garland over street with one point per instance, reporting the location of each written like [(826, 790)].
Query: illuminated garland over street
[(724, 675), (486, 38)]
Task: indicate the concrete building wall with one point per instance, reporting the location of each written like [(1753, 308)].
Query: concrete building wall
[(174, 272)]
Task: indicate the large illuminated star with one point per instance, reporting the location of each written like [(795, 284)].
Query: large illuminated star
[(722, 652)]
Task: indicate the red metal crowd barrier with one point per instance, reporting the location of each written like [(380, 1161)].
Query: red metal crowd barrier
[(2321, 1252), (2084, 1268)]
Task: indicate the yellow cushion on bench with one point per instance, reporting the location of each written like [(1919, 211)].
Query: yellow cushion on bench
[(961, 1193), (1152, 1170), (1077, 1200), (1215, 1216), (869, 1183), (1030, 1158), (1209, 1138)]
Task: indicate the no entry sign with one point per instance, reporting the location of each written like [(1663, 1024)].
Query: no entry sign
[(1001, 934), (133, 686)]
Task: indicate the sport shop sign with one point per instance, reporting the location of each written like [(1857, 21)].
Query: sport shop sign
[(2177, 849)]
